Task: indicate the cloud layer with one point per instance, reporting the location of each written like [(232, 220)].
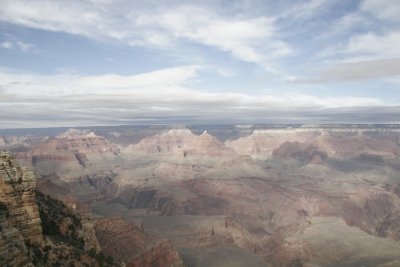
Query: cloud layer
[(246, 61), (162, 95), (251, 39)]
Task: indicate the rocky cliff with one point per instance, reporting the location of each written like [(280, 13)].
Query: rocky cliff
[(127, 243), (30, 232), (182, 143), (38, 230), (17, 192)]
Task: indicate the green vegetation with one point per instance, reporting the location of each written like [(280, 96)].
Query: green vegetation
[(4, 210), (59, 221), (102, 259), (64, 227)]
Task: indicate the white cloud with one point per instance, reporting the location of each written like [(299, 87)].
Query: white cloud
[(364, 47), (63, 84), (161, 96), (24, 47), (66, 99), (380, 69), (167, 87), (7, 45), (383, 9), (304, 10), (165, 79), (249, 39), (345, 25), (372, 45)]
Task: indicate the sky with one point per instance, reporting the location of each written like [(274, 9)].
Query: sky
[(119, 62)]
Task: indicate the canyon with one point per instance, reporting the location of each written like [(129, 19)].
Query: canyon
[(37, 230), (212, 195)]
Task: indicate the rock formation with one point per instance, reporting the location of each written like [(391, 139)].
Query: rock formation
[(17, 192), (183, 143), (127, 243), (306, 153), (295, 196), (22, 240)]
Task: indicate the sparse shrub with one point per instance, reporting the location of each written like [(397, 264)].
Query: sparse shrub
[(109, 260), (92, 253), (4, 210)]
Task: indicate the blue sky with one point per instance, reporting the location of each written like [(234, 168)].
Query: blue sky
[(100, 62)]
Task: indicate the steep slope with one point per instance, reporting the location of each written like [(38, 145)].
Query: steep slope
[(22, 240), (127, 243), (17, 192), (182, 142), (340, 142), (305, 153), (70, 154), (328, 241), (178, 154), (261, 143)]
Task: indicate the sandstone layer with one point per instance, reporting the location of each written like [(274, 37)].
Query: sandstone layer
[(131, 245)]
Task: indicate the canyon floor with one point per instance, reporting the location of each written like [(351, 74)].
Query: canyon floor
[(227, 195)]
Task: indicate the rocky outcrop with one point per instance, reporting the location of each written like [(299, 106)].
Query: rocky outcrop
[(261, 143), (17, 191), (13, 250), (80, 141), (73, 147), (127, 243), (182, 143), (306, 153), (341, 142), (36, 229), (378, 215), (20, 143)]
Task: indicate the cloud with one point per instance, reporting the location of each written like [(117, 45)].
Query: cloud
[(65, 83), (7, 45), (165, 95), (373, 45), (366, 46), (304, 10), (387, 10), (364, 70), (24, 47), (362, 45), (250, 39), (345, 25), (379, 69)]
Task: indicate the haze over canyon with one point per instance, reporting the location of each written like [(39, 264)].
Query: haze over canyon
[(231, 195)]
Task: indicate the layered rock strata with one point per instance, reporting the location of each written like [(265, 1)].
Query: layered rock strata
[(17, 192), (127, 243)]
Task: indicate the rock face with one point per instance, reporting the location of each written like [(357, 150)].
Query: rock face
[(294, 196), (70, 154), (20, 143), (261, 143), (17, 192), (13, 250), (303, 152), (19, 215), (127, 243), (342, 142), (30, 232), (73, 145), (182, 142), (83, 142)]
